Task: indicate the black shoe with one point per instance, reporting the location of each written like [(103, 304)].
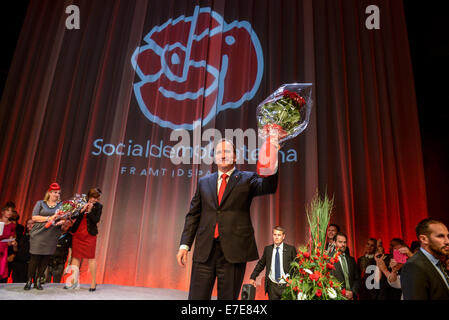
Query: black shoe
[(38, 285), (93, 289), (28, 285)]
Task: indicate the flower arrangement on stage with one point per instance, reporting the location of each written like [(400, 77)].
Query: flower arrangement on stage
[(310, 272), (69, 209), (281, 116)]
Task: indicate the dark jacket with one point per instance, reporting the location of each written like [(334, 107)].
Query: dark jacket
[(232, 215), (421, 281), (92, 219), (288, 255), (353, 274)]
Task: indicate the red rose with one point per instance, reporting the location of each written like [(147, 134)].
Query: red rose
[(330, 266), (331, 283), (343, 292), (320, 284), (306, 255), (319, 293), (325, 256), (296, 289)]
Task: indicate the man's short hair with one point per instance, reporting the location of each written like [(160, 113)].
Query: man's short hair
[(372, 239), (279, 228), (423, 226), (341, 234), (335, 225)]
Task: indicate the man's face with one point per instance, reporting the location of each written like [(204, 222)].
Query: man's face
[(224, 156), (278, 237), (340, 243), (370, 247), (331, 232), (438, 240)]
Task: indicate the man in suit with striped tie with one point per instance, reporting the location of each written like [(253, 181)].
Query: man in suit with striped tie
[(277, 259), (220, 223)]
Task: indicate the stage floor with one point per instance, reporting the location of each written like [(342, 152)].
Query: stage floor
[(56, 291)]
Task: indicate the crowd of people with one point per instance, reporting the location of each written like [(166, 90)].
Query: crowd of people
[(38, 254), (416, 272)]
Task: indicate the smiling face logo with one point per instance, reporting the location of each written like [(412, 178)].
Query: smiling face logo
[(191, 68)]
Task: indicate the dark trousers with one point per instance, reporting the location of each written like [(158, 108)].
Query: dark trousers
[(37, 265), (55, 270), (275, 290), (19, 271), (229, 277)]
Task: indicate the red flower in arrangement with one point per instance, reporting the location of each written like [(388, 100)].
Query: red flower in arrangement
[(320, 284), (306, 255), (343, 291), (331, 283), (296, 289), (330, 266), (315, 276), (319, 293), (325, 256)]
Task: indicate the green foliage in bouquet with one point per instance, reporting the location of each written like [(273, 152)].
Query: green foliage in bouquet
[(68, 206), (310, 277), (284, 112)]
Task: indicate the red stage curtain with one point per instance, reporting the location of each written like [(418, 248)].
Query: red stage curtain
[(68, 88)]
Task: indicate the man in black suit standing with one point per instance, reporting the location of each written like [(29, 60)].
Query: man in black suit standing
[(219, 218), (277, 259), (424, 276), (346, 270)]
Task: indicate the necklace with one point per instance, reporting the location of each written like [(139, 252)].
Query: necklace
[(51, 207)]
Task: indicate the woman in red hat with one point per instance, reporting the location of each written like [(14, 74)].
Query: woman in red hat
[(84, 239), (43, 240)]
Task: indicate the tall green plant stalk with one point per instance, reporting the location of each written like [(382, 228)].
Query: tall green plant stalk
[(318, 215)]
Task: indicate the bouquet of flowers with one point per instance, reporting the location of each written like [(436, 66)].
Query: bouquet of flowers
[(69, 209), (310, 271), (282, 116)]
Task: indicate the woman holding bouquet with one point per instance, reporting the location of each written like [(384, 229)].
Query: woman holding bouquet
[(43, 240), (84, 240)]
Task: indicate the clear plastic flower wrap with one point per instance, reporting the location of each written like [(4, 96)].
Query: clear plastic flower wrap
[(280, 117), (285, 112)]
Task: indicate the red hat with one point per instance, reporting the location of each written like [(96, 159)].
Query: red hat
[(54, 186)]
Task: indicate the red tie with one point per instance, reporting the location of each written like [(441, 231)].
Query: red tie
[(224, 176)]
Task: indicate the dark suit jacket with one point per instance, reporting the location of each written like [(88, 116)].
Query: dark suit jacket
[(354, 276), (232, 215), (421, 281), (92, 219), (288, 255)]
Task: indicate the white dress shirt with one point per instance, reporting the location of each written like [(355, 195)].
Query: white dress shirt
[(272, 276)]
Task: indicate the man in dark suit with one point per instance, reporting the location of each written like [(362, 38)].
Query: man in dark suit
[(277, 259), (346, 270), (219, 218), (424, 276)]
